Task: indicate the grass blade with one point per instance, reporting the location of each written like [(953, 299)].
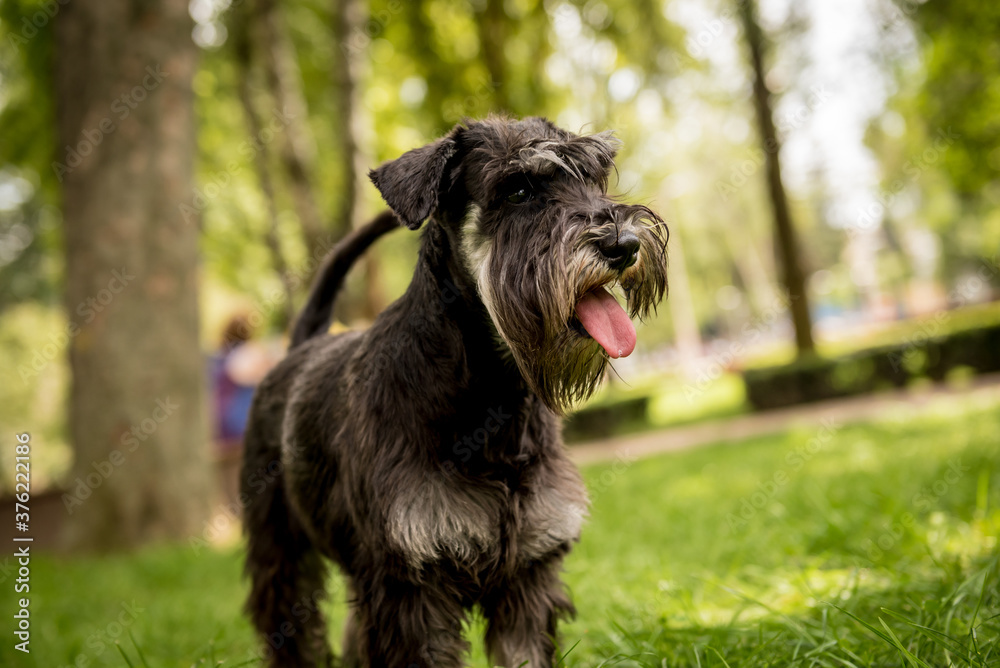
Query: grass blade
[(724, 662), (566, 653), (137, 649), (942, 639), (899, 645), (124, 655)]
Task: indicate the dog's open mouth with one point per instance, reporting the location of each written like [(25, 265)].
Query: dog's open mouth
[(603, 318)]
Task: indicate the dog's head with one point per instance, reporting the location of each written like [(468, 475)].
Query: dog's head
[(526, 209)]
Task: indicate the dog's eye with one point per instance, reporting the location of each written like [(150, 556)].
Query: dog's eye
[(519, 196)]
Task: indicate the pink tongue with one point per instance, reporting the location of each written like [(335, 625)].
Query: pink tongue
[(607, 322)]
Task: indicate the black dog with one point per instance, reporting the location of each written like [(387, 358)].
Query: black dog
[(424, 455)]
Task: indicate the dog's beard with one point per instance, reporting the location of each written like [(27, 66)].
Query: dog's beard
[(566, 370), (532, 300)]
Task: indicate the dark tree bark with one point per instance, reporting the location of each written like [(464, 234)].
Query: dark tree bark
[(297, 150), (348, 20), (493, 36), (261, 159), (750, 268), (350, 40), (792, 275), (123, 74), (439, 75)]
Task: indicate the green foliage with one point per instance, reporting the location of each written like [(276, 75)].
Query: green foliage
[(29, 268), (961, 92), (939, 142)]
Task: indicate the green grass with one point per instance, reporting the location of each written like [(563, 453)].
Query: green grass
[(859, 545)]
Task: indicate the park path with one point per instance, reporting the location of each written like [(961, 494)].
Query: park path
[(841, 411)]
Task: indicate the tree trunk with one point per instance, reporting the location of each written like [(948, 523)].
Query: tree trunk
[(136, 411), (681, 303), (298, 150), (792, 275), (492, 36), (349, 18), (743, 248), (440, 75), (262, 161)]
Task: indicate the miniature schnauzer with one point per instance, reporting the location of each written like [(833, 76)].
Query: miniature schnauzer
[(424, 455)]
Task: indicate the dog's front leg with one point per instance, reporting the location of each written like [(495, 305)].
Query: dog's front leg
[(404, 625), (521, 617)]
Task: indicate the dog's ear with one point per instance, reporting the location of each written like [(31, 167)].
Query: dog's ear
[(411, 183)]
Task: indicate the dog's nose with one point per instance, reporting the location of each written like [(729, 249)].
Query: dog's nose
[(621, 250)]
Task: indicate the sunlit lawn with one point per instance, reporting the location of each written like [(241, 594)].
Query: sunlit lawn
[(863, 545)]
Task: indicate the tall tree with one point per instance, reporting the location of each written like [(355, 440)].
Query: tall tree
[(681, 304), (123, 72), (349, 19), (440, 75), (792, 275), (243, 40), (492, 23), (298, 150), (348, 69)]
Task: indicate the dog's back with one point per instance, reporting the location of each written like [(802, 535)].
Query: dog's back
[(287, 575)]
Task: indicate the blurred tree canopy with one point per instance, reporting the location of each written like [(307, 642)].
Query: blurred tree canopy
[(938, 141), (960, 94), (30, 267), (296, 99)]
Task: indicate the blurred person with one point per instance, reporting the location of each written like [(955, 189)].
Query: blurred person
[(235, 371)]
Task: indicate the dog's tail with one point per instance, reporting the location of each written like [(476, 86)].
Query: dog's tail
[(318, 311)]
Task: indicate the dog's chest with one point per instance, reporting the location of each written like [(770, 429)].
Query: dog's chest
[(549, 518), (467, 524)]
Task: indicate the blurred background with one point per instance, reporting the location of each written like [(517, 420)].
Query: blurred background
[(172, 172)]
